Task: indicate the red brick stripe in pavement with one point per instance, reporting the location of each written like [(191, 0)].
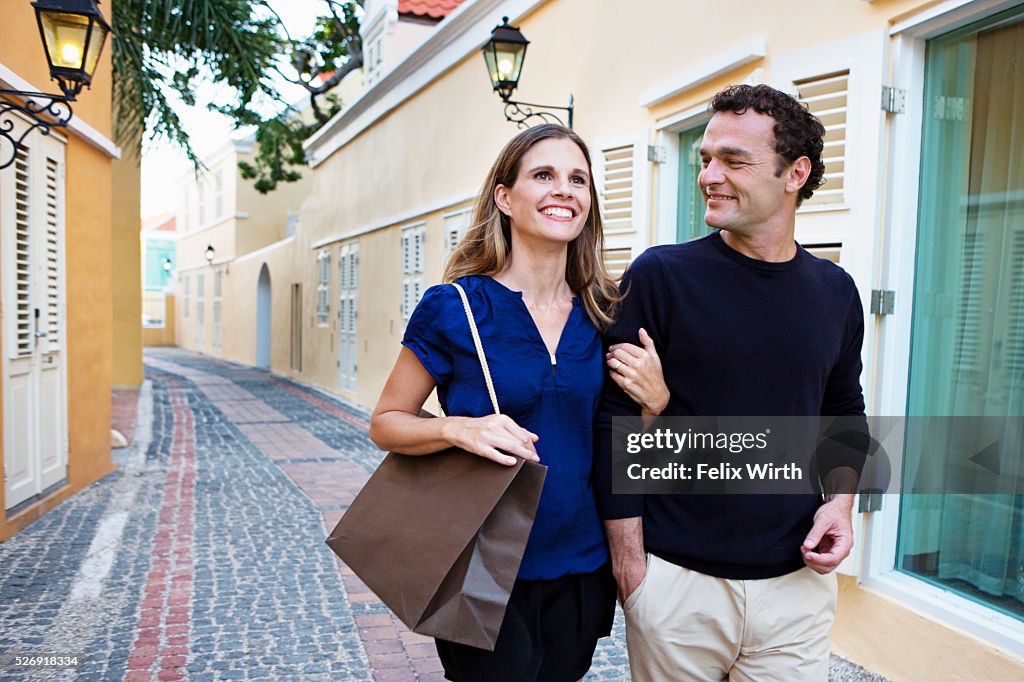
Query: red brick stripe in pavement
[(324, 405), (162, 645)]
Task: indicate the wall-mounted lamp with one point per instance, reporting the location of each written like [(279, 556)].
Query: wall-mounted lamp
[(210, 254), (167, 265), (73, 33), (504, 54)]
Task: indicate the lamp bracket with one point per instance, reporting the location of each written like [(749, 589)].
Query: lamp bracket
[(521, 112), (44, 111)]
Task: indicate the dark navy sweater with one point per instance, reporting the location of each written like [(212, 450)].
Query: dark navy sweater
[(736, 336)]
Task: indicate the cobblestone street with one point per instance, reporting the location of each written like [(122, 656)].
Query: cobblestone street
[(202, 557)]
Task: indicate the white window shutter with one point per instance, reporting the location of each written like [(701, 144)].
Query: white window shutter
[(826, 97), (418, 237), (622, 170), (53, 269), (22, 256)]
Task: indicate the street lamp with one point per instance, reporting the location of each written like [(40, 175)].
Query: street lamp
[(504, 54), (210, 254), (73, 34), (167, 265)]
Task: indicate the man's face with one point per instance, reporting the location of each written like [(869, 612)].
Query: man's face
[(742, 193)]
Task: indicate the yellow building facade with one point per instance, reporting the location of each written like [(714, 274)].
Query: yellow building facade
[(57, 219), (921, 101)]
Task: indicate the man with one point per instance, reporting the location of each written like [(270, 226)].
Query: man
[(746, 322)]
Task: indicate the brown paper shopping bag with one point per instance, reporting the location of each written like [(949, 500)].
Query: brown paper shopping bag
[(439, 539)]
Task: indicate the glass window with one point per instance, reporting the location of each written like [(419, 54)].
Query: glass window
[(967, 344), (691, 202)]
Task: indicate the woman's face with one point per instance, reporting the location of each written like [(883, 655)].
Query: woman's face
[(550, 199)]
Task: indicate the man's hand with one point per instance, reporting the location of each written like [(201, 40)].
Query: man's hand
[(831, 536), (629, 562)]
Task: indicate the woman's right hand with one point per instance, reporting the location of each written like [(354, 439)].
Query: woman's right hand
[(496, 437)]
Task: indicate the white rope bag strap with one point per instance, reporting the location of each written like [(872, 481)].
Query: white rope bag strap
[(479, 347)]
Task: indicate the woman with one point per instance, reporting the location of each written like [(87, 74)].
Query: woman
[(539, 292)]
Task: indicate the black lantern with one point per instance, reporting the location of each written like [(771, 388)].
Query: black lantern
[(73, 33), (168, 265), (504, 54), (210, 253)]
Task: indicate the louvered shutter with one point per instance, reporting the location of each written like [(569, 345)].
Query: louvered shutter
[(418, 237), (826, 97), (53, 269), (1015, 329), (22, 257), (621, 175), (972, 294)]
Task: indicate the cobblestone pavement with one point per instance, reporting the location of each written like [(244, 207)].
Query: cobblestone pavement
[(202, 558)]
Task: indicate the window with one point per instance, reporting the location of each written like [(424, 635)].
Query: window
[(216, 309), (412, 267), (968, 312), (200, 309), (455, 227), (296, 328), (374, 57), (186, 214), (691, 223), (826, 98), (348, 314), (201, 190), (22, 256), (218, 188), (187, 280), (323, 306), (620, 174)]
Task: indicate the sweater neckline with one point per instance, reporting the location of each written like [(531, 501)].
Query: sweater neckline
[(747, 261)]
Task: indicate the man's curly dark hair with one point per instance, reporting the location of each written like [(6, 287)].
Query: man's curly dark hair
[(797, 131)]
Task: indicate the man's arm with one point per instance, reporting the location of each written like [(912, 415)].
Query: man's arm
[(629, 562), (831, 537)]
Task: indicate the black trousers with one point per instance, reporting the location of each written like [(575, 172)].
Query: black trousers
[(549, 634)]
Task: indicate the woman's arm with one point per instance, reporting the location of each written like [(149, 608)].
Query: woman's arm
[(396, 424), (638, 372)]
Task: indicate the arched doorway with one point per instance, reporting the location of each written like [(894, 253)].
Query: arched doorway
[(263, 319)]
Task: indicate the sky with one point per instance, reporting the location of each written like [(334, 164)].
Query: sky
[(163, 165)]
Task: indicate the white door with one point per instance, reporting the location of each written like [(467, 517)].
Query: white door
[(34, 377), (348, 314)]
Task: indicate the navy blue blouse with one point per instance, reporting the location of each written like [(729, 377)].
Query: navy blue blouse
[(556, 401)]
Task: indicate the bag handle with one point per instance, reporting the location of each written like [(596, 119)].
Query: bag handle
[(479, 347)]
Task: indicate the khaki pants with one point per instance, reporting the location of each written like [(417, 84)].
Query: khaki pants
[(683, 625)]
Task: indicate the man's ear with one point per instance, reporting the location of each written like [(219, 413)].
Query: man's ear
[(501, 199), (797, 175)]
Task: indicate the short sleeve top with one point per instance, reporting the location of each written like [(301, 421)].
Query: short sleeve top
[(556, 398)]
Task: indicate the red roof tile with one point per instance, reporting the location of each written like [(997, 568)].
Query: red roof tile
[(437, 9)]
